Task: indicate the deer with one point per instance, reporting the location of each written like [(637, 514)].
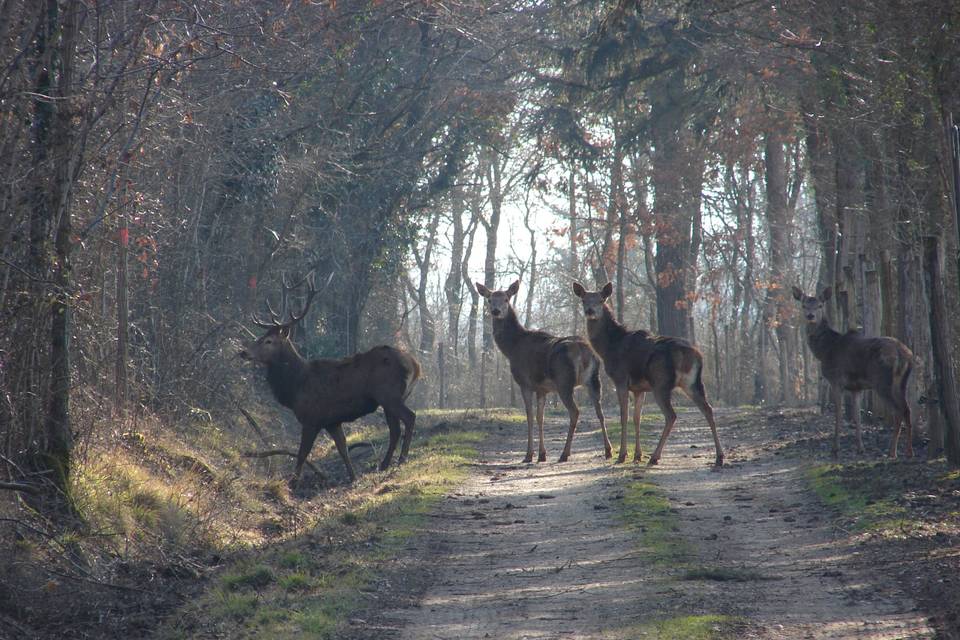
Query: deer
[(542, 363), (324, 393), (639, 362), (855, 362)]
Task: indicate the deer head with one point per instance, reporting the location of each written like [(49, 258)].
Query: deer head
[(593, 301), (813, 307), (277, 338), (499, 301)]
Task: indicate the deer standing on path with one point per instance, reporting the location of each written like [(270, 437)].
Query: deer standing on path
[(639, 362), (324, 393), (541, 363), (855, 362)]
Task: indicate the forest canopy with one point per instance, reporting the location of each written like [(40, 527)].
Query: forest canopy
[(166, 164)]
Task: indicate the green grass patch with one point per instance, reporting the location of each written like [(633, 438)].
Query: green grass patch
[(313, 584), (255, 577), (862, 494), (646, 511), (705, 627)]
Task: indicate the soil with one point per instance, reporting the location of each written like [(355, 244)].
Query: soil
[(541, 551)]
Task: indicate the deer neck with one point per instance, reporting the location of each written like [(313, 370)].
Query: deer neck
[(285, 375), (822, 339), (605, 333), (507, 332)]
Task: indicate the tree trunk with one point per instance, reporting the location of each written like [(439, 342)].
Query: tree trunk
[(778, 224), (941, 342)]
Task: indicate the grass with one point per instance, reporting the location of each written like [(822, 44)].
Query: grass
[(309, 586), (862, 495), (646, 511), (701, 627)]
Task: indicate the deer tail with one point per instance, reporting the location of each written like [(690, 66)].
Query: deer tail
[(412, 373), (903, 375)]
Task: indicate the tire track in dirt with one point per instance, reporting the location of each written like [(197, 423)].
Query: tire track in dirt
[(756, 517), (537, 551)]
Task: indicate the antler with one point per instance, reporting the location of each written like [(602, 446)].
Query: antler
[(294, 317), (311, 293), (274, 319)]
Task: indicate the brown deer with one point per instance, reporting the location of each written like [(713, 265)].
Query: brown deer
[(854, 362), (639, 362), (541, 363), (324, 393)]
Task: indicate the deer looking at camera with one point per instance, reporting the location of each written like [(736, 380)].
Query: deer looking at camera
[(854, 362), (324, 393), (541, 363), (639, 362)]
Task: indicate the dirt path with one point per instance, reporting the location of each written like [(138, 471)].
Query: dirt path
[(538, 551)]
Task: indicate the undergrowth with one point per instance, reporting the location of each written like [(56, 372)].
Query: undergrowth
[(310, 585)]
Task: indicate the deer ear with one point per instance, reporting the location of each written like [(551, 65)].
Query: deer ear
[(797, 293), (607, 290), (482, 290), (513, 289), (578, 289), (826, 294)]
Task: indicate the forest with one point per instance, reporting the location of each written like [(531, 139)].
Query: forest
[(171, 168)]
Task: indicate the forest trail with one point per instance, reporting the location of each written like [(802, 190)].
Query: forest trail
[(542, 551)]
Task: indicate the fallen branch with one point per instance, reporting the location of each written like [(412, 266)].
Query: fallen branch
[(20, 486), (252, 423), (282, 452)]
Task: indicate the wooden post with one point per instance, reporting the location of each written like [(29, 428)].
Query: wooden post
[(871, 324), (887, 318), (442, 372), (941, 341)]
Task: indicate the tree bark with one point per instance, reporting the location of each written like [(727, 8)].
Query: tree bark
[(941, 342)]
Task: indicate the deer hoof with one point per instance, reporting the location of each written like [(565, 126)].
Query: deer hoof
[(653, 462), (621, 458), (607, 453), (528, 458), (542, 457), (563, 458)]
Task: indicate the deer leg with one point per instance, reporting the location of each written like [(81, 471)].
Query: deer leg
[(595, 390), (527, 395), (308, 434), (638, 399), (663, 401), (409, 419), (855, 398), (897, 424), (699, 397), (623, 397), (394, 425), (566, 397), (909, 421), (340, 439), (541, 401), (838, 411)]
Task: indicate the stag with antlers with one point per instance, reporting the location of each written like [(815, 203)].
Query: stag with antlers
[(325, 393)]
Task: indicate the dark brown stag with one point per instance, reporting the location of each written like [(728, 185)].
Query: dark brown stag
[(854, 362), (639, 362), (325, 393), (541, 363)]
